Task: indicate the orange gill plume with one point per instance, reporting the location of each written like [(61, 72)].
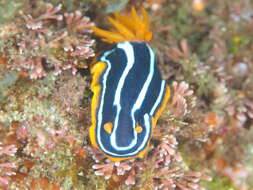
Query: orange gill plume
[(126, 28)]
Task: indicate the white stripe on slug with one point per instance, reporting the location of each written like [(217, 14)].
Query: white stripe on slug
[(159, 99), (129, 51)]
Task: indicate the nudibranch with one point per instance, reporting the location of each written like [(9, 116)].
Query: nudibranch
[(129, 94)]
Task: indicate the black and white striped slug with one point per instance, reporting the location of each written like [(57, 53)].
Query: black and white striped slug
[(129, 94)]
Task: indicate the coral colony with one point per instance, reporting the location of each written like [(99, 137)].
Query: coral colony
[(202, 139), (50, 41)]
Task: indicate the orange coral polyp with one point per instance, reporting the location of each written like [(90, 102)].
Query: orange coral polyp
[(126, 28)]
